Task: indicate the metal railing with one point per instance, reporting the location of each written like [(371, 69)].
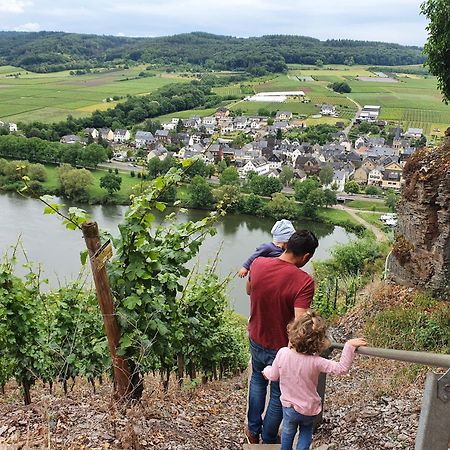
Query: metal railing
[(428, 359), (434, 424)]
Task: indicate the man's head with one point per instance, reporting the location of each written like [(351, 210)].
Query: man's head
[(301, 247)]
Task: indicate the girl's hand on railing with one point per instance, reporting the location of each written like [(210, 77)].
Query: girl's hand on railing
[(358, 342)]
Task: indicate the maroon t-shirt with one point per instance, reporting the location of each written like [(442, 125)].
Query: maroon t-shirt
[(277, 287)]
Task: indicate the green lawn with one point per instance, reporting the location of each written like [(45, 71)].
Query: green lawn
[(336, 216), (95, 192), (368, 205), (233, 89), (372, 218)]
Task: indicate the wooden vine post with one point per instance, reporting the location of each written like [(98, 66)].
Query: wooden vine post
[(122, 375)]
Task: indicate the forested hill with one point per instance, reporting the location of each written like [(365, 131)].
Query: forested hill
[(52, 51)]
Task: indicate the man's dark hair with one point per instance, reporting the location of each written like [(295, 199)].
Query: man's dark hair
[(302, 242)]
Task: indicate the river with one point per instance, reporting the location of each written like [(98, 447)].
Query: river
[(46, 240)]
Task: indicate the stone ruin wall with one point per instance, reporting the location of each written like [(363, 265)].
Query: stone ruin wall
[(421, 252)]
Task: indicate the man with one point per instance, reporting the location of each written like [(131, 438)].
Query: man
[(279, 292)]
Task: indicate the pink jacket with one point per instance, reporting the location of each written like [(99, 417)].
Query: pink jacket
[(299, 373)]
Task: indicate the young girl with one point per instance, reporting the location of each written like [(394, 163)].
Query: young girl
[(298, 367)]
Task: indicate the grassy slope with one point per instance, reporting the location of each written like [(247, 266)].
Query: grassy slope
[(336, 216), (414, 101), (367, 205), (51, 97)]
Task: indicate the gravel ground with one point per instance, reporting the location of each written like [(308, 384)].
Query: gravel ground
[(376, 406)]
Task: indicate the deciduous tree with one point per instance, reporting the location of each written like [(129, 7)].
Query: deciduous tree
[(230, 176), (437, 46), (111, 183), (200, 192)]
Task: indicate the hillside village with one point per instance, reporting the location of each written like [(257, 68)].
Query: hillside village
[(369, 160)]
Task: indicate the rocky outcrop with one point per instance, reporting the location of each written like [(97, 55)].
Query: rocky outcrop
[(421, 252)]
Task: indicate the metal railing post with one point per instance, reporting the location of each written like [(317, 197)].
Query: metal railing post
[(321, 385), (433, 432)]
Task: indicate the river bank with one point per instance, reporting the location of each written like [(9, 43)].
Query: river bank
[(133, 182)]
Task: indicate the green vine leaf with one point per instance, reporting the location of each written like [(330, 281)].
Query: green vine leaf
[(83, 257)]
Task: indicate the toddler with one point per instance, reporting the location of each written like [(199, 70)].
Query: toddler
[(297, 367), (281, 232)]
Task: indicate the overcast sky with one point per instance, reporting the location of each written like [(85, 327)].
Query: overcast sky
[(376, 20)]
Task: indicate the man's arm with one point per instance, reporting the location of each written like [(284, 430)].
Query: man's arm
[(299, 312), (304, 299)]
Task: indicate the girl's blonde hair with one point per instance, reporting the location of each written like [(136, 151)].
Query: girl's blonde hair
[(307, 334)]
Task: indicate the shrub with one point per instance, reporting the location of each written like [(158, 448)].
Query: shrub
[(423, 325)]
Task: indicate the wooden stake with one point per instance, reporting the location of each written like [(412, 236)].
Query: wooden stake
[(122, 375)]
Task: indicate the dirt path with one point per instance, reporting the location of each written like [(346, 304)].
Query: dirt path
[(376, 231), (347, 129)]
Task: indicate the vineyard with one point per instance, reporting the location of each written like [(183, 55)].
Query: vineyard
[(166, 326)]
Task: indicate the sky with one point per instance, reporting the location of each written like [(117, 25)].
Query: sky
[(374, 20)]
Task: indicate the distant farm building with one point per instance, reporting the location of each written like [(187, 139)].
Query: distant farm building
[(369, 113), (275, 97)]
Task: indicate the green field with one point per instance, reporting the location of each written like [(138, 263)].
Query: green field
[(51, 97), (413, 101), (372, 218), (232, 89), (336, 216), (367, 205), (316, 92), (95, 192)]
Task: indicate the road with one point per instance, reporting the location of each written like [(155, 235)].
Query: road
[(379, 235), (347, 129), (124, 166)]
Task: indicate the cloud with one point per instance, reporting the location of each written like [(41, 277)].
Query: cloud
[(13, 6), (375, 20), (31, 26)]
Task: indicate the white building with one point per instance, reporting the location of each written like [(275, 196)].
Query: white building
[(240, 123), (211, 120), (328, 110), (414, 132), (369, 113), (121, 135), (170, 126), (259, 165), (375, 177), (93, 132)]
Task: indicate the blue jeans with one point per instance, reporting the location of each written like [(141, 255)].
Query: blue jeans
[(268, 429), (292, 420)]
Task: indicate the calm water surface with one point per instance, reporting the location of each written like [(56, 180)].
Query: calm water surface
[(48, 242)]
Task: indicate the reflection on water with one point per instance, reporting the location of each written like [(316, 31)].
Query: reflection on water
[(48, 242)]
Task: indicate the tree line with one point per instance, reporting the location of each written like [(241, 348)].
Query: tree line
[(53, 51), (42, 151)]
